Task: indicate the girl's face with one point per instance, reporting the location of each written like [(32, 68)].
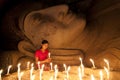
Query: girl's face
[(45, 46)]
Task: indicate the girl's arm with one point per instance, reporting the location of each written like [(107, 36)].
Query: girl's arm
[(44, 61)]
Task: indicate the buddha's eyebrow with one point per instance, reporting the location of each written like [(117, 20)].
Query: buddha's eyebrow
[(42, 17)]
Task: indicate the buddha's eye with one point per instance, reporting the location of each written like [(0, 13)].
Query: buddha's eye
[(61, 14)]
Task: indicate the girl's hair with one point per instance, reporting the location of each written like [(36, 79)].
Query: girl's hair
[(44, 41)]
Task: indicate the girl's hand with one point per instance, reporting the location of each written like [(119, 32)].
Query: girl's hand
[(48, 60)]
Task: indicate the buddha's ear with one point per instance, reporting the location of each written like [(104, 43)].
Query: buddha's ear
[(55, 11)]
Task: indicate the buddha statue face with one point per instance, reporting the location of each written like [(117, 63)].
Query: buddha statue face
[(56, 24)]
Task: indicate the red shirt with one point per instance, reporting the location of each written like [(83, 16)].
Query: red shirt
[(41, 55)]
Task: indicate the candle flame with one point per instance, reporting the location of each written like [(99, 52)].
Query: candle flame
[(51, 66), (107, 72), (107, 62), (39, 65), (28, 64), (0, 74), (64, 67), (82, 66), (55, 67), (81, 61), (43, 65), (9, 69), (49, 54), (68, 69), (91, 60), (1, 71), (19, 64), (32, 65)]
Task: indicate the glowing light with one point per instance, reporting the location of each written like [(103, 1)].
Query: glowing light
[(65, 67), (91, 60), (31, 72), (39, 65), (79, 73), (51, 66), (20, 76), (82, 66), (101, 75), (49, 54), (41, 72), (107, 72), (56, 72), (68, 69), (9, 69), (92, 77), (1, 74), (19, 64), (33, 77), (107, 62), (28, 65)]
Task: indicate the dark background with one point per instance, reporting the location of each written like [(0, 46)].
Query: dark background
[(6, 41)]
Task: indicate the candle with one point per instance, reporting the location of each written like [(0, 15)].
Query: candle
[(39, 65), (68, 69), (31, 72), (1, 74), (107, 62), (43, 66), (92, 63), (49, 54), (51, 78), (56, 72), (101, 75), (41, 71), (79, 73), (32, 65), (82, 67), (55, 67), (28, 65), (9, 69), (20, 76), (18, 69), (81, 61), (92, 77), (33, 77), (107, 72), (64, 67), (51, 66)]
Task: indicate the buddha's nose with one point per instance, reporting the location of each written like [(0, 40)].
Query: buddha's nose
[(55, 11)]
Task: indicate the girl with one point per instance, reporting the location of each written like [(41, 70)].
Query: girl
[(42, 55)]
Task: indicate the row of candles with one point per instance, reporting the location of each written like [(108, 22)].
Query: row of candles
[(81, 71)]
